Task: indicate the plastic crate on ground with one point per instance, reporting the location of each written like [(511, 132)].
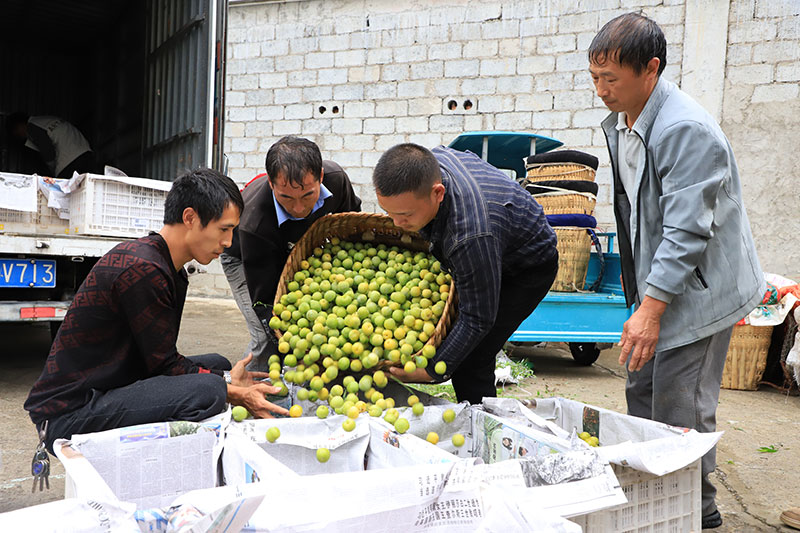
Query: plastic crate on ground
[(117, 207), (656, 504)]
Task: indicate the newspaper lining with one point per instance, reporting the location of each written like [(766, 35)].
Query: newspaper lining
[(407, 484)]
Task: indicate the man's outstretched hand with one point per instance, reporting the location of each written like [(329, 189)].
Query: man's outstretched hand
[(417, 376), (242, 377), (247, 391)]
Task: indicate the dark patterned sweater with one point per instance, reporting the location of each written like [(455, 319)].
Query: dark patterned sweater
[(121, 327)]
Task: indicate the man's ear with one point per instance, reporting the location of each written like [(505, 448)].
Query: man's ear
[(438, 192), (190, 217), (652, 66), (321, 174)]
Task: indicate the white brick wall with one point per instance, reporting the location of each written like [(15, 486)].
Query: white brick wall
[(391, 68), (391, 71), (759, 115)]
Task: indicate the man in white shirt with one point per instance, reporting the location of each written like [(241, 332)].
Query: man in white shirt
[(62, 147)]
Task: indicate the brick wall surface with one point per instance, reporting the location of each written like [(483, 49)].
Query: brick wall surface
[(760, 111), (358, 77)]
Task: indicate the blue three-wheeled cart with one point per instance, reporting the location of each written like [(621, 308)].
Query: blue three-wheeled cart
[(585, 320)]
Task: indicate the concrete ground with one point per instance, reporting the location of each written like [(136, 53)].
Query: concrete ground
[(753, 486)]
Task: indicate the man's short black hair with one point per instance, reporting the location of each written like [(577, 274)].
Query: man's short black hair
[(294, 157), (632, 40), (406, 168), (205, 190)]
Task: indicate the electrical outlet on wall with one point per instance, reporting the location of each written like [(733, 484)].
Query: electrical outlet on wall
[(328, 109), (459, 105)]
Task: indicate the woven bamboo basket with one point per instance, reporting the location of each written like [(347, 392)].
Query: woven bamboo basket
[(364, 227), (574, 247), (559, 171), (566, 204), (747, 357)]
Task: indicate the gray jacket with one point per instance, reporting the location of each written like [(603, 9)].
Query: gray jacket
[(686, 238)]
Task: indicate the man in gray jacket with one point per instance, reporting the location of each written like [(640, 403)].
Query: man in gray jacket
[(688, 257)]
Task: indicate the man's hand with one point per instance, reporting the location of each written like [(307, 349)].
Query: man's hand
[(241, 377), (244, 390), (253, 398), (417, 376), (640, 333)]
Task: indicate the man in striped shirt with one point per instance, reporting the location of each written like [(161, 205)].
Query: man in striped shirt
[(489, 234)]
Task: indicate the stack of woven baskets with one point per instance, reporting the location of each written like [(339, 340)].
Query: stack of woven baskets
[(563, 184)]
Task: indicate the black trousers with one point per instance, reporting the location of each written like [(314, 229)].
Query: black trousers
[(192, 397), (519, 295)]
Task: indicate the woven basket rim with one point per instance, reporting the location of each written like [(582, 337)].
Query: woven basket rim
[(565, 192), (550, 171), (530, 166)]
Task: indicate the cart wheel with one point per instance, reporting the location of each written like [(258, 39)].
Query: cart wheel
[(584, 353)]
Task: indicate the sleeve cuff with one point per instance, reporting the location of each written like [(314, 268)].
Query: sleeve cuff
[(658, 294), (437, 378)]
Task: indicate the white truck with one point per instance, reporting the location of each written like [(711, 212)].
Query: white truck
[(142, 80)]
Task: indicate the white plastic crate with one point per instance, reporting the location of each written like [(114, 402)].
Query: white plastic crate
[(117, 207), (656, 504), (669, 502), (45, 220), (17, 190), (12, 221)]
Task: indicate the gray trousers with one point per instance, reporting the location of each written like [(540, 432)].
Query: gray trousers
[(234, 271), (680, 387)]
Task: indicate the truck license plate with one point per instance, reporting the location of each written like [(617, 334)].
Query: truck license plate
[(27, 273)]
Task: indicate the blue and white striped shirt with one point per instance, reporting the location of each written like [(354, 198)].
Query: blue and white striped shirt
[(487, 226)]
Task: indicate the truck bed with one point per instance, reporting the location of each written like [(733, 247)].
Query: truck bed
[(58, 245), (74, 256)]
